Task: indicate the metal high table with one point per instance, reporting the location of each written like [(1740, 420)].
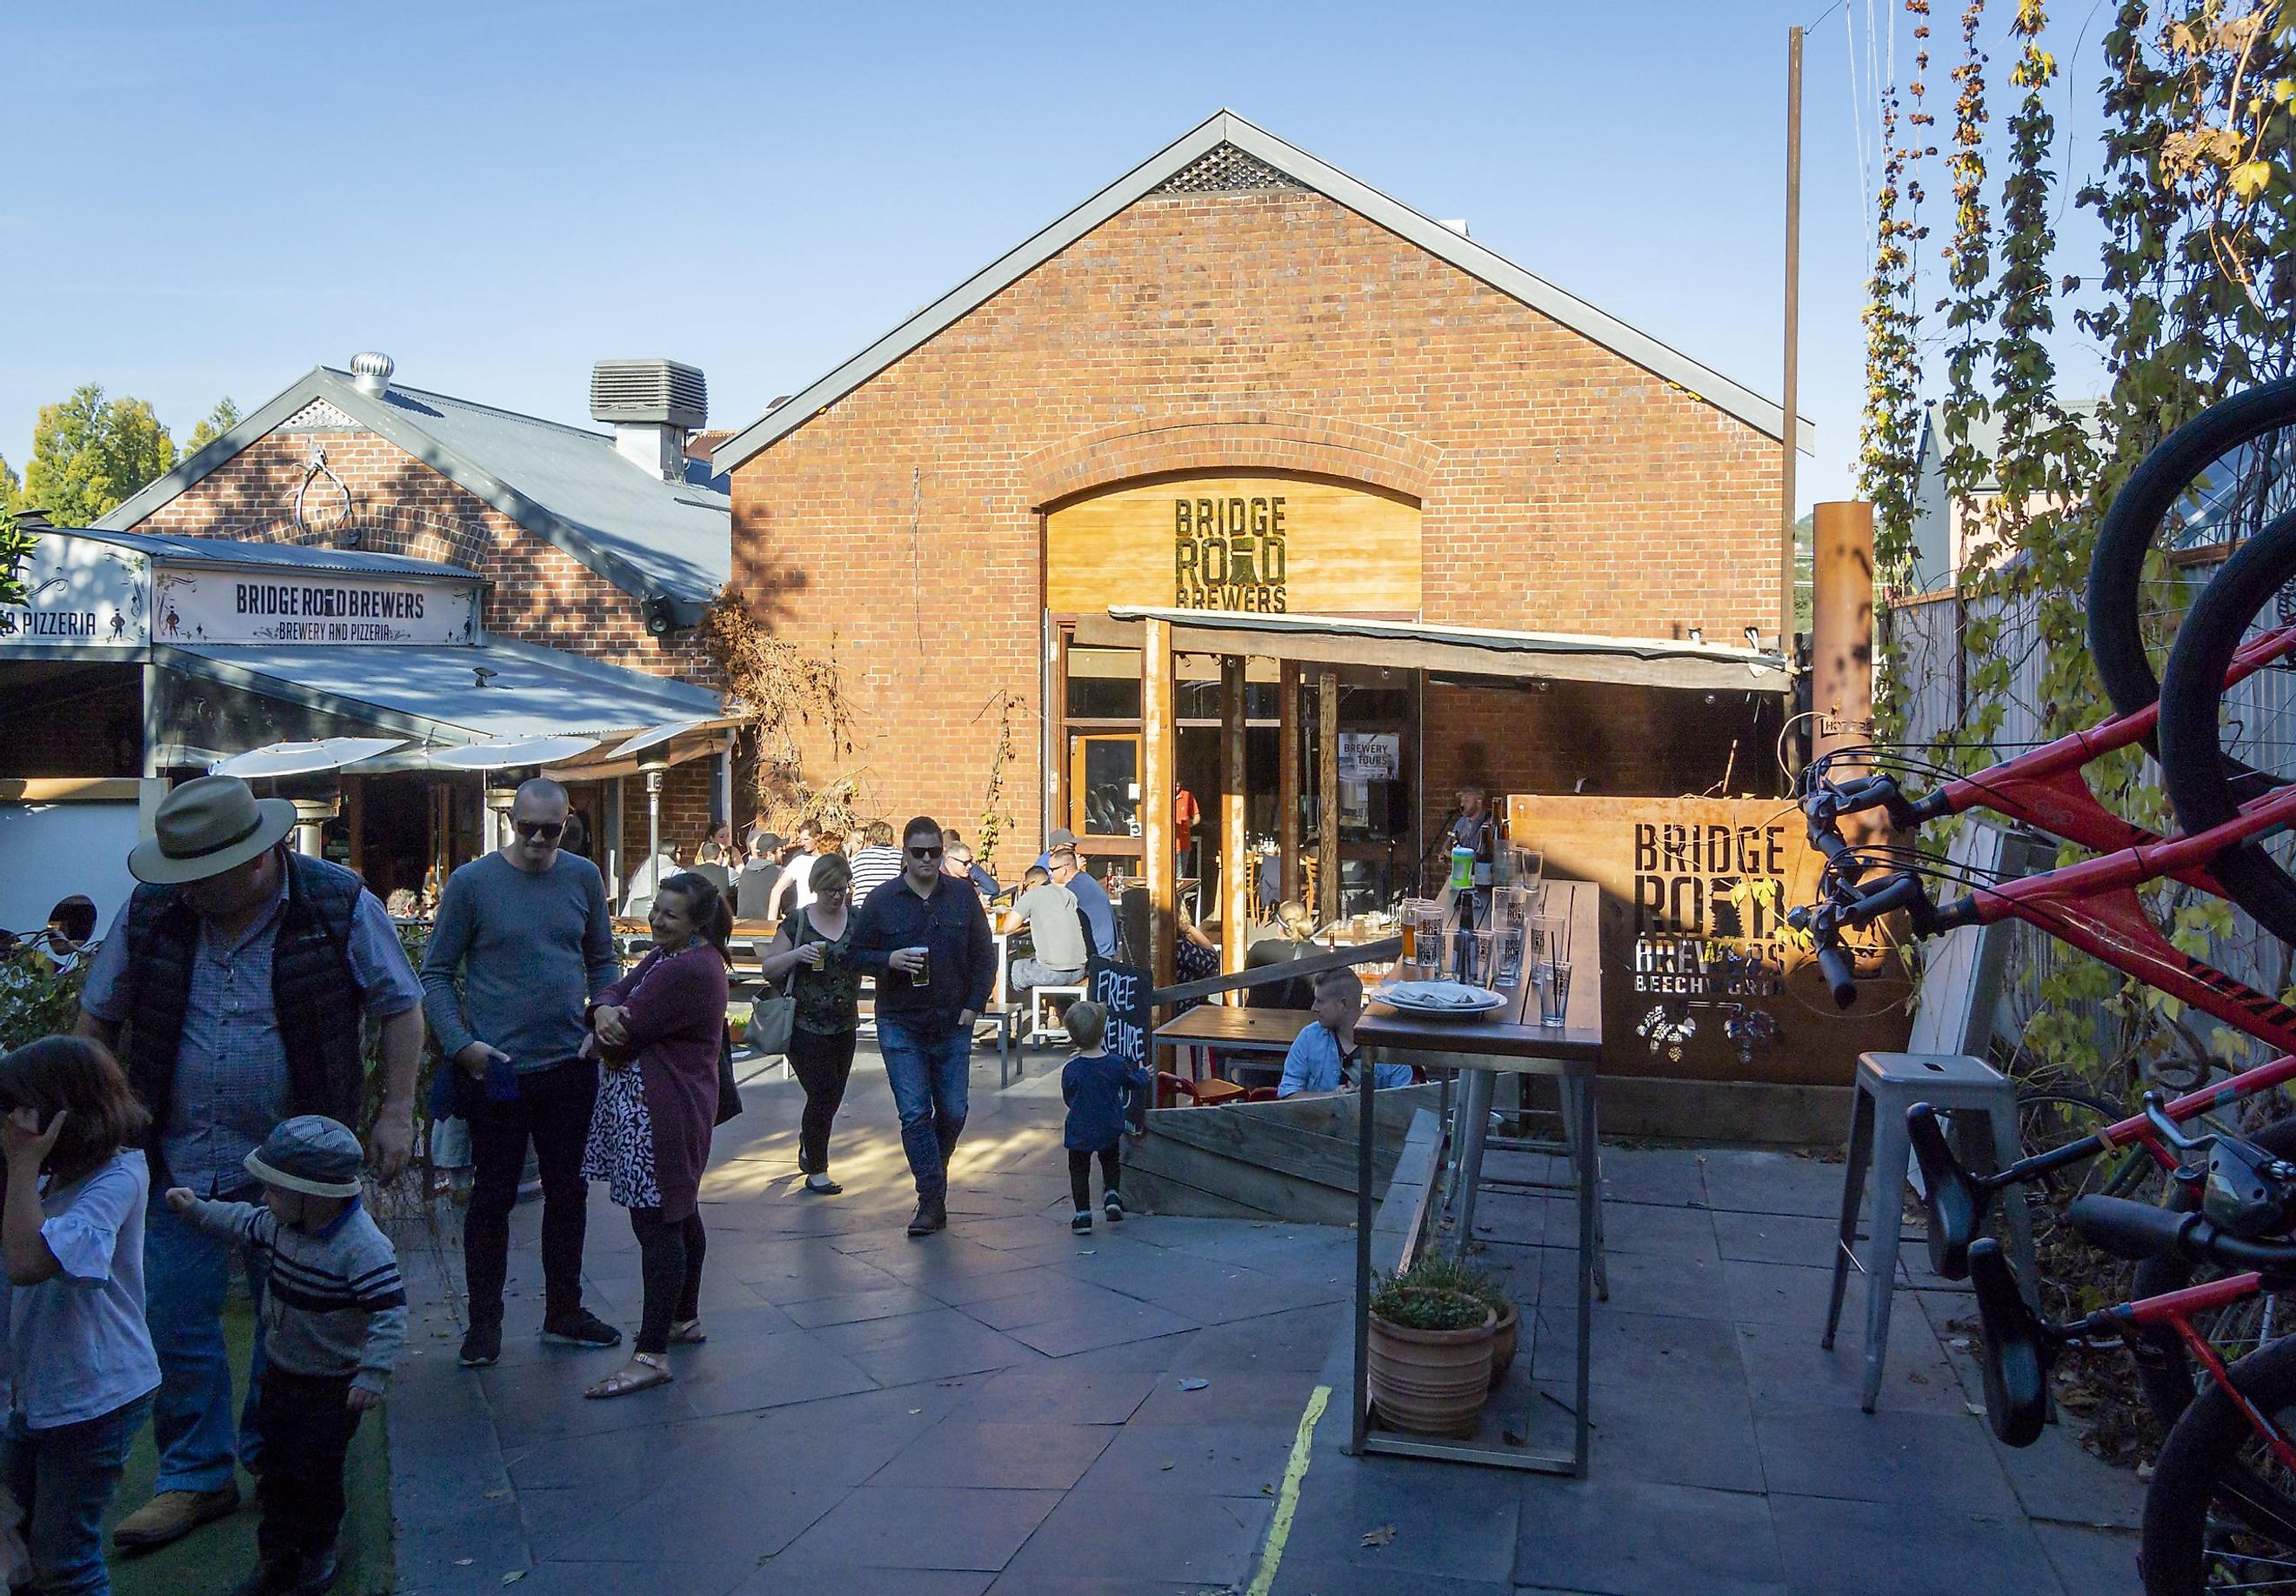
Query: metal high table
[(1479, 1049)]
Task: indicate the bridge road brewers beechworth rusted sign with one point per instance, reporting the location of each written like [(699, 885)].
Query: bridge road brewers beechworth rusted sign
[(1701, 978)]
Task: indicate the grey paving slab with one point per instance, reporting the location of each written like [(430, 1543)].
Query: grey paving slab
[(1776, 1238), (1042, 1300), (1885, 1456), (1013, 1456), (780, 1579), (1229, 1396), (1297, 1339), (1751, 1182), (917, 1346), (1131, 1323), (1788, 1371), (1829, 1547), (674, 1517), (1328, 1581), (1450, 1522), (887, 1527), (885, 1303), (1640, 1283), (1671, 1176), (1204, 1460), (1058, 1393), (705, 1576), (1667, 1231), (1693, 1355), (1631, 1539), (1648, 1433), (2093, 1562), (2056, 1478), (732, 1376), (1157, 1355), (1091, 1535), (1069, 1585)]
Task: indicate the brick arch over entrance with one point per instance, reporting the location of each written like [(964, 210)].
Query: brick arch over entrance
[(1236, 441)]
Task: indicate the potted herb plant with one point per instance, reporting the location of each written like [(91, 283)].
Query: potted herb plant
[(1452, 1275), (1431, 1353)]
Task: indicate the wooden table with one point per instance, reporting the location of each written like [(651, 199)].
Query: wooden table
[(1481, 1048)]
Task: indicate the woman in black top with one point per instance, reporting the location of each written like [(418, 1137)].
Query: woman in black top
[(814, 949)]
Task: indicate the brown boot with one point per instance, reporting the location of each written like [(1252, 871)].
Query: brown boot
[(172, 1515)]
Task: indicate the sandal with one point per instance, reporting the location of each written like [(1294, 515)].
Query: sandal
[(643, 1372), (687, 1332)]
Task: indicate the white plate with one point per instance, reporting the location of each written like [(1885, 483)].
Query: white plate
[(1437, 998)]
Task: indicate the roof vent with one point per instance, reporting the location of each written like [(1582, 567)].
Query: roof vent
[(665, 392), (371, 373)]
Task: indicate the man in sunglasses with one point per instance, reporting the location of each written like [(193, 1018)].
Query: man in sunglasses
[(525, 929), (923, 937)]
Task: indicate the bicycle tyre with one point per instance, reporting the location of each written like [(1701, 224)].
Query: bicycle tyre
[(2199, 1468), (2200, 776), (2133, 523)]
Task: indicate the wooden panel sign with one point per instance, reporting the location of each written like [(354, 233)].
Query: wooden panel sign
[(1263, 545), (1701, 979), (1123, 990)]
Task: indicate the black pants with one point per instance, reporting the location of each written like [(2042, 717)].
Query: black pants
[(552, 1107), (1112, 1158), (308, 1427), (669, 1263), (822, 1065)]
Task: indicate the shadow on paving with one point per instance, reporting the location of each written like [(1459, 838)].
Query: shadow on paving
[(1004, 1406), (1730, 1456)]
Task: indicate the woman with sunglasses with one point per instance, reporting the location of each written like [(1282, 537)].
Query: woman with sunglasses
[(814, 951)]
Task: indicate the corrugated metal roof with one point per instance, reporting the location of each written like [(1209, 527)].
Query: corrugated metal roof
[(1225, 128), (218, 550), (567, 485), (436, 694)]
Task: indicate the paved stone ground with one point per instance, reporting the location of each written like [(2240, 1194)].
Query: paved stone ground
[(1002, 1407)]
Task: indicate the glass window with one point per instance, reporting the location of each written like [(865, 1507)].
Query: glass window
[(1103, 684), (1104, 786)]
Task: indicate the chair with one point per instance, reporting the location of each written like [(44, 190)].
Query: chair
[(1042, 1027)]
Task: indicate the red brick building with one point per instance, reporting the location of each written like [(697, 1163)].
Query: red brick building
[(605, 544), (1238, 378)]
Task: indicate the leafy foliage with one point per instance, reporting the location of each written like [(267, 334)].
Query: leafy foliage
[(89, 454), (219, 420), (1408, 1302), (788, 698), (36, 1000), (16, 543)]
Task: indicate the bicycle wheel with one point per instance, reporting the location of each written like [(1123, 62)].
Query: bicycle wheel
[(2220, 746), (2220, 1514), (2212, 484), (2055, 1115)]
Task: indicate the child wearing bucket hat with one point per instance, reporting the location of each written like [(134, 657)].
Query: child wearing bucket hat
[(334, 1314)]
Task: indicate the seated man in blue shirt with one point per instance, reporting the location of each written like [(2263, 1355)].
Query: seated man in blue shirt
[(1324, 1056), (1092, 900)]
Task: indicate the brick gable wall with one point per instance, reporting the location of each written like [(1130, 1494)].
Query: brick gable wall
[(1564, 488)]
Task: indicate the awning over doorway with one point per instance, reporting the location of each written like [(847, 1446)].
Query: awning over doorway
[(452, 696), (1466, 650)]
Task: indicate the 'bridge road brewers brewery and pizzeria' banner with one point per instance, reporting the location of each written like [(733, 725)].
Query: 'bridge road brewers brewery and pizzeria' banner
[(315, 607), (1700, 977)]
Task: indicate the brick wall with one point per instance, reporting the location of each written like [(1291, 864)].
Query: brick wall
[(1562, 487), (539, 592)]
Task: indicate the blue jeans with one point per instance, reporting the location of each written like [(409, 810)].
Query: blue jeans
[(931, 1071), (186, 1276), (63, 1479)]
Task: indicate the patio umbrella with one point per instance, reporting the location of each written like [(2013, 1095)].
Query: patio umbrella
[(301, 758), (504, 753)]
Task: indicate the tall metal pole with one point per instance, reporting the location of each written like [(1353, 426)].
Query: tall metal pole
[(1793, 339)]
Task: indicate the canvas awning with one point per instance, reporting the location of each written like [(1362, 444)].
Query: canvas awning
[(1460, 650)]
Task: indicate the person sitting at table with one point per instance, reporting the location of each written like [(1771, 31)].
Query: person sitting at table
[(1295, 938), (1055, 929), (1324, 1054)]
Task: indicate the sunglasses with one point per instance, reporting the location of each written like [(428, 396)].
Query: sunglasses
[(924, 853), (544, 830)]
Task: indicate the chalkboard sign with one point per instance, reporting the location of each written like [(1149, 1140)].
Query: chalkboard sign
[(1123, 990)]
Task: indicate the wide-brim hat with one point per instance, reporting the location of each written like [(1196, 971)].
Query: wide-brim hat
[(311, 1154), (206, 827)]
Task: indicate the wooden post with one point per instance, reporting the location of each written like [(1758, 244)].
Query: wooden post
[(1159, 776), (1327, 789), (1236, 863), (1842, 629), (1287, 780)]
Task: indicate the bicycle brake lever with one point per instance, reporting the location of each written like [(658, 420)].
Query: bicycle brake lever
[(2156, 1115)]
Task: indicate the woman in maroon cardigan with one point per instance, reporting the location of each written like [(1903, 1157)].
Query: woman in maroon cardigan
[(658, 1030)]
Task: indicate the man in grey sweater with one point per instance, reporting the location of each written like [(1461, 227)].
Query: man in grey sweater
[(525, 934)]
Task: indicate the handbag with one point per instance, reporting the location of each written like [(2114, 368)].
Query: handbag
[(729, 1090), (772, 1017)]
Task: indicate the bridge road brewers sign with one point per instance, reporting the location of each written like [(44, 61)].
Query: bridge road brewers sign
[(283, 605), (1256, 545), (1701, 979)]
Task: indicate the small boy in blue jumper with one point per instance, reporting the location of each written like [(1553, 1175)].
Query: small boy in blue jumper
[(1094, 1085)]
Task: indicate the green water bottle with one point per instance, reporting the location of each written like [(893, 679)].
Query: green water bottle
[(1463, 868)]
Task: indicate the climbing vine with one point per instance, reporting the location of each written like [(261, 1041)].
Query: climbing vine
[(995, 818), (793, 702)]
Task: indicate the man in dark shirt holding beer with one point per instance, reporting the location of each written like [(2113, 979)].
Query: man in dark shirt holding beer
[(924, 938)]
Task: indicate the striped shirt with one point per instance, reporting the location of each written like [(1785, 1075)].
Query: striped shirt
[(873, 867), (332, 1301)]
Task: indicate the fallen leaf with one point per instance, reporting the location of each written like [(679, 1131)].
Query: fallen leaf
[(1167, 1465), (1384, 1536), (1976, 1411), (514, 1577), (1918, 1377), (1194, 1385)]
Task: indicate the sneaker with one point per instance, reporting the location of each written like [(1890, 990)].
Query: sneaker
[(1113, 1206), (171, 1515), (931, 1215), (1082, 1224), (482, 1346), (581, 1327)]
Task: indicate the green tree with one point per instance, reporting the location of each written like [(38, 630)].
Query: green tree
[(219, 420), (90, 453), (15, 543)]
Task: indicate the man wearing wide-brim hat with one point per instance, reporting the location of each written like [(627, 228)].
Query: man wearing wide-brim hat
[(240, 973)]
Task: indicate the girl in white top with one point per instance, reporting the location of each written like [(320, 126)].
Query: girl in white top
[(79, 1360)]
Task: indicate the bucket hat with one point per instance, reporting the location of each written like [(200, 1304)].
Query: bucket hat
[(311, 1154), (206, 827)]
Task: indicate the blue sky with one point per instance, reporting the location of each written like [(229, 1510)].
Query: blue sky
[(210, 200)]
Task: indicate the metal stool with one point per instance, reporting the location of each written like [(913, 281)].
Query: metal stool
[(1887, 1085)]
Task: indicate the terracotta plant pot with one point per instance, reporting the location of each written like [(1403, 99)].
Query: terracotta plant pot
[(1503, 1337), (1431, 1382)]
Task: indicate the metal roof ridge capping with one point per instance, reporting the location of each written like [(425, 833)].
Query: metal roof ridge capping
[(1479, 261)]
